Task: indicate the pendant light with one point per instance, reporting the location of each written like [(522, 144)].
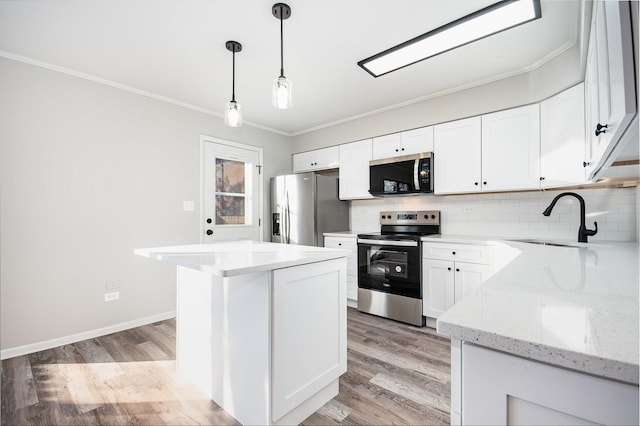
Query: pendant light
[(281, 94), (233, 110)]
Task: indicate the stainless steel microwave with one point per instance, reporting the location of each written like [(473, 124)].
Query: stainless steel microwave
[(406, 175)]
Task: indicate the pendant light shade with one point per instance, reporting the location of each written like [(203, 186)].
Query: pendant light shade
[(233, 114), (233, 110), (281, 93)]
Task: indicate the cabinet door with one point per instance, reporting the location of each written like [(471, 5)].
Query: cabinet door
[(319, 159), (354, 170), (511, 149), (387, 146), (309, 332), (562, 139), (417, 140), (468, 277), (438, 293), (612, 101), (457, 152), (501, 389)]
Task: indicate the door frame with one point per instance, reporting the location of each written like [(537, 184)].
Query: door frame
[(210, 139)]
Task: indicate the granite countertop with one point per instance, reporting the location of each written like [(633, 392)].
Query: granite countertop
[(228, 259), (574, 307)]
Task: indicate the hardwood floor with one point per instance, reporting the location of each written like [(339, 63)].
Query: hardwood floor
[(397, 374)]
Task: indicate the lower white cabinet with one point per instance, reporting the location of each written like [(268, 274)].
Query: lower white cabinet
[(347, 243), (501, 389), (309, 335), (450, 272), (447, 282)]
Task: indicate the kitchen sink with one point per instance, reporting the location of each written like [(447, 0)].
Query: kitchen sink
[(544, 243)]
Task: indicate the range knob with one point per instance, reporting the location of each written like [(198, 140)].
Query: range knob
[(433, 216)]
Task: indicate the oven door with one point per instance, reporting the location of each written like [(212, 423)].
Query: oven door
[(390, 266)]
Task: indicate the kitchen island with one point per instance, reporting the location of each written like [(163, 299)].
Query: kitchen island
[(261, 327), (552, 337)]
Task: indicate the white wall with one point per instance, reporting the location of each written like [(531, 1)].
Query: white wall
[(516, 215), (89, 172), (564, 71)]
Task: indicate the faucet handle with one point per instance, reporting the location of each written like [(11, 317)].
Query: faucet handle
[(591, 232)]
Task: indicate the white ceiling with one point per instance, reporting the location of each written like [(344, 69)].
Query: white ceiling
[(176, 49)]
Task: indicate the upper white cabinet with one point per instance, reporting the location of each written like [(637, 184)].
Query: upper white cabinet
[(457, 153), (354, 170), (511, 149), (562, 137), (609, 83), (494, 152), (403, 143), (319, 159)]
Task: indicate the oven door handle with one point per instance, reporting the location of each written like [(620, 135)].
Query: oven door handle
[(388, 243)]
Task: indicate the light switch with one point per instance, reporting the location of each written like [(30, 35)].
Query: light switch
[(187, 206)]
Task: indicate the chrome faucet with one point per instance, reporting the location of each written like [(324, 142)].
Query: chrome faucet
[(583, 232)]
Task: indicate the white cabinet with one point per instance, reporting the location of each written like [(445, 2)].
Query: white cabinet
[(609, 83), (403, 143), (450, 272), (494, 152), (511, 149), (319, 159), (457, 152), (309, 335), (501, 389), (347, 243), (562, 146), (354, 170)]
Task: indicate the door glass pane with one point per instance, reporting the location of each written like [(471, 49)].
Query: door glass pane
[(229, 210), (230, 192), (229, 176)]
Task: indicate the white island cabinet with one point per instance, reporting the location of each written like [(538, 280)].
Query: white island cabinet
[(550, 338), (261, 327)]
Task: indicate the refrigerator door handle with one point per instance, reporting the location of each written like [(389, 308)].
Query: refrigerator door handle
[(287, 215)]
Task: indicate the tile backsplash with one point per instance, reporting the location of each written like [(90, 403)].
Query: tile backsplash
[(516, 215)]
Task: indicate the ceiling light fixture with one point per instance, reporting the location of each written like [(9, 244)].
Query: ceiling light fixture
[(281, 94), (233, 112), (480, 24)]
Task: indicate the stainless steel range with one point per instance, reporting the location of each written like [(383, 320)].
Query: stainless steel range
[(390, 265)]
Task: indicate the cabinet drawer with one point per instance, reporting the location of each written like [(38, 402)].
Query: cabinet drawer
[(457, 252)]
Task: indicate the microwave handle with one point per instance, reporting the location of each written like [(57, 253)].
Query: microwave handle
[(416, 177)]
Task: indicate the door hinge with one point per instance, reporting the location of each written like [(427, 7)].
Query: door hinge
[(259, 169), (259, 222)]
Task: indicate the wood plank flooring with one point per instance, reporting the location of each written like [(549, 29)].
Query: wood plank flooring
[(396, 374)]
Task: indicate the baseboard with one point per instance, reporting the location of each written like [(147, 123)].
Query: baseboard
[(66, 340)]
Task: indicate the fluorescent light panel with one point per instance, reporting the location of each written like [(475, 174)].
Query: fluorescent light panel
[(483, 23)]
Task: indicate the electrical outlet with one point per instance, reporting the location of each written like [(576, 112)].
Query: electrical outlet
[(110, 297)]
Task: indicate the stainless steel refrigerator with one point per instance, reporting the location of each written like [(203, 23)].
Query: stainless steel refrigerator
[(304, 206)]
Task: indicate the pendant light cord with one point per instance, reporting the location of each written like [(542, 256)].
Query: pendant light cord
[(233, 78), (281, 45)]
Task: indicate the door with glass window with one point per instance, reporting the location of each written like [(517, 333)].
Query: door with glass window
[(231, 192)]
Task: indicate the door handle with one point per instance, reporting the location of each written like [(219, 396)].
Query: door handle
[(209, 232)]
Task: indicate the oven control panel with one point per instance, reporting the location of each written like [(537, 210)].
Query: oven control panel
[(421, 217)]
